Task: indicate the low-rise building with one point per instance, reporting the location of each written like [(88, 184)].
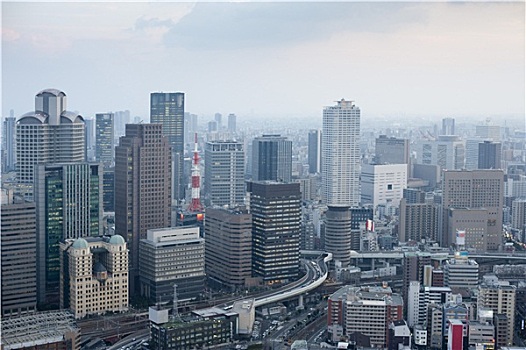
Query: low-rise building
[(42, 330)]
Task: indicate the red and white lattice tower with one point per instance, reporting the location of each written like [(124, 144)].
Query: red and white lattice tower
[(196, 182)]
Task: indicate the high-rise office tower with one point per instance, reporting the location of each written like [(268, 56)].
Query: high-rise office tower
[(18, 251), (212, 126), (90, 138), (472, 153), (272, 158), (167, 109), (104, 139), (121, 119), (232, 123), (218, 119), (391, 150), (108, 189), (448, 126), (8, 143), (224, 173), (341, 154), (490, 155), (276, 220), (68, 199), (474, 189), (314, 151), (228, 247), (338, 234), (50, 134), (143, 186), (488, 132)]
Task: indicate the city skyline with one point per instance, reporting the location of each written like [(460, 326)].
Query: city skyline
[(396, 59)]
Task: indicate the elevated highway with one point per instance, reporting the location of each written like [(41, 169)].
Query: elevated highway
[(317, 272)]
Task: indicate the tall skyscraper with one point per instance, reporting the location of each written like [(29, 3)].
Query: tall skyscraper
[(391, 150), (224, 173), (228, 247), (68, 199), (90, 138), (121, 119), (143, 187), (338, 234), (232, 123), (167, 109), (472, 153), (276, 220), (490, 155), (272, 158), (50, 134), (448, 126), (474, 189), (8, 143), (18, 251), (218, 118), (341, 154), (314, 151), (488, 132), (104, 139)]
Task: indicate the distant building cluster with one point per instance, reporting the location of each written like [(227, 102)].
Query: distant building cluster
[(100, 211)]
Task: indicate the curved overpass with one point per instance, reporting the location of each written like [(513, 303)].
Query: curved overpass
[(319, 275), (316, 274)]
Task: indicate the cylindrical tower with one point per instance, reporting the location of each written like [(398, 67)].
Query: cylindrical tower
[(338, 233)]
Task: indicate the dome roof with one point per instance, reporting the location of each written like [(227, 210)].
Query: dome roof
[(117, 240), (54, 92), (80, 243)]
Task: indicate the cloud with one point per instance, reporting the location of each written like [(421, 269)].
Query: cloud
[(212, 26), (9, 34)]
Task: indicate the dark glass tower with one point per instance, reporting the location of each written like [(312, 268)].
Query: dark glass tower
[(104, 148), (272, 158), (489, 155), (276, 218), (314, 151), (68, 200), (167, 109)]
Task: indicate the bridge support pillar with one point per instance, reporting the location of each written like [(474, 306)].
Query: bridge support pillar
[(300, 303)]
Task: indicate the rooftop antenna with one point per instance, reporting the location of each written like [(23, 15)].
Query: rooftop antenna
[(175, 312), (195, 205)]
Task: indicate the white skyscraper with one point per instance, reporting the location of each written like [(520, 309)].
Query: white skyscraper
[(341, 154)]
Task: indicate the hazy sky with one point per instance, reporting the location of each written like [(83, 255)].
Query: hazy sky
[(268, 59)]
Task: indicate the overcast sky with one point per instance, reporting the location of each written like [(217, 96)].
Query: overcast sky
[(268, 59)]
